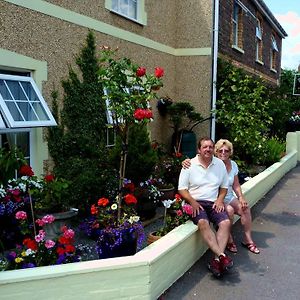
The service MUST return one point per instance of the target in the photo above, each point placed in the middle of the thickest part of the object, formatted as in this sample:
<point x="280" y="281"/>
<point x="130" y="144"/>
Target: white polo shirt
<point x="204" y="183"/>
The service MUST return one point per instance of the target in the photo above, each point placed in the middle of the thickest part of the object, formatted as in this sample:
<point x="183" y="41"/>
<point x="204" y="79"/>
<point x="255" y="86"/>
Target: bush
<point x="275" y="149"/>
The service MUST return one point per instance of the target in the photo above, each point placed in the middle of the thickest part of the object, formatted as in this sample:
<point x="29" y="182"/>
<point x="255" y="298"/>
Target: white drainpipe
<point x="214" y="66"/>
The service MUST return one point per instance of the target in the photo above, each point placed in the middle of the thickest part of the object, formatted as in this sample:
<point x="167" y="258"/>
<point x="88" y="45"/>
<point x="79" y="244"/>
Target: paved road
<point x="272" y="274"/>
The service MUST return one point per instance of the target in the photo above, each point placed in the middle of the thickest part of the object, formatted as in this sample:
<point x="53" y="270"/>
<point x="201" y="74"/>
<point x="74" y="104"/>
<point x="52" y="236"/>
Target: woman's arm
<point x="238" y="191"/>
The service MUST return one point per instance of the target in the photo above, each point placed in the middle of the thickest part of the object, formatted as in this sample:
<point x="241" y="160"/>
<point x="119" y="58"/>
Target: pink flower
<point x="179" y="213"/>
<point x="40" y="222"/>
<point x="48" y="219"/>
<point x="41" y="236"/>
<point x="187" y="209"/>
<point x="21" y="215"/>
<point x="69" y="233"/>
<point x="49" y="244"/>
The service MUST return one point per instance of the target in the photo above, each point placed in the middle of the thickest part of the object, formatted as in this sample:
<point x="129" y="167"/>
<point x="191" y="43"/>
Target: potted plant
<point x="118" y="230"/>
<point x="176" y="212"/>
<point x="148" y="196"/>
<point x="184" y="118"/>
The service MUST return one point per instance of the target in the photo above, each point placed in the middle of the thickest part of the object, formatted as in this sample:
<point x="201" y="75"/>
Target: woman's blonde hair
<point x="220" y="143"/>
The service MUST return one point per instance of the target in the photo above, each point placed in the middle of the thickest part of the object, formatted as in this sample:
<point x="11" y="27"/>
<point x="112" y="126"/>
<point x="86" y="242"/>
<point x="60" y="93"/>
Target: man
<point x="204" y="185"/>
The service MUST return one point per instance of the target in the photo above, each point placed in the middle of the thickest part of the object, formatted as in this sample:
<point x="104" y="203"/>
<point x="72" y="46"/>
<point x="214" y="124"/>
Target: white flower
<point x="247" y="178"/>
<point x="114" y="206"/>
<point x="133" y="219"/>
<point x="168" y="203"/>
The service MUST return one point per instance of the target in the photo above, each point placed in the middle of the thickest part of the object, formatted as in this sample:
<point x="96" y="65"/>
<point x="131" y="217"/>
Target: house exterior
<point x="251" y="38"/>
<point x="40" y="39"/>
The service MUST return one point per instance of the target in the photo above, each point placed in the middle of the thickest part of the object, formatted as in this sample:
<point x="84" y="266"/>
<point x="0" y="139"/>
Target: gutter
<point x="214" y="67"/>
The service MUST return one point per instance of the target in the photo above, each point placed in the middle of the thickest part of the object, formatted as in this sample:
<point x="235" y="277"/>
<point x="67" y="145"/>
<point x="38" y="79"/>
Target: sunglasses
<point x="223" y="151"/>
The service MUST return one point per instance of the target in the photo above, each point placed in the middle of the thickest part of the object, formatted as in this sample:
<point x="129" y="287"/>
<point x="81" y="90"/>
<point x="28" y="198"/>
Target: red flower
<point x="60" y="250"/>
<point x="26" y="170"/>
<point x="30" y="244"/>
<point x="141" y="71"/>
<point x="159" y="72"/>
<point x="140" y="114"/>
<point x="49" y="178"/>
<point x="130" y="199"/>
<point x="94" y="210"/>
<point x="130" y="187"/>
<point x="70" y="248"/>
<point x="103" y="201"/>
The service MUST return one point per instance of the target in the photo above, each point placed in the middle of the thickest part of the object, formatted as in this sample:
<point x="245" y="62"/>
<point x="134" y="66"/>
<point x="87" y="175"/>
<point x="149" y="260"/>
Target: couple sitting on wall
<point x="211" y="186"/>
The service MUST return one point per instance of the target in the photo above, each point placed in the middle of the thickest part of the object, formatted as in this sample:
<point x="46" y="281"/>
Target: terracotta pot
<point x="152" y="237"/>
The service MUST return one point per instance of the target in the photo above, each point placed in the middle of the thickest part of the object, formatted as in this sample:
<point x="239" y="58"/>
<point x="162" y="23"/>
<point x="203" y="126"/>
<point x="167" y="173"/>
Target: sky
<point x="287" y="12"/>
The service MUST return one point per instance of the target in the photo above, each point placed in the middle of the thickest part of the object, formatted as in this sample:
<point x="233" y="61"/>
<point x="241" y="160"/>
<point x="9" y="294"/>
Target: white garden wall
<point x="147" y="274"/>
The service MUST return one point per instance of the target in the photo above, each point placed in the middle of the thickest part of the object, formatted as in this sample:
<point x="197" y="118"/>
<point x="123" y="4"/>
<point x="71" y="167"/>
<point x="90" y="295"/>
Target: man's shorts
<point x="210" y="214"/>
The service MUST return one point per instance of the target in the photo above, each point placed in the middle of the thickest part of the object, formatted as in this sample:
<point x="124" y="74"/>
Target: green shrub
<point x="274" y="151"/>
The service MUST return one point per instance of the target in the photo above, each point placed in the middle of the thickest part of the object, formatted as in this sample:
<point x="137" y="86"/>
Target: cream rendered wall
<point x="176" y="37"/>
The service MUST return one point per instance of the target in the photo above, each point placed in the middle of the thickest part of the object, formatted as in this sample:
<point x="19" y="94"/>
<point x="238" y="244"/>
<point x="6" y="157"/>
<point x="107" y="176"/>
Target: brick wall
<point x="247" y="58"/>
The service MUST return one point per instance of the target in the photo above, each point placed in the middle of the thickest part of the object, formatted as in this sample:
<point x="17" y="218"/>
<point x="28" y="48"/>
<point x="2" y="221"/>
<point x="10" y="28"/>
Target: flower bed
<point x="147" y="274"/>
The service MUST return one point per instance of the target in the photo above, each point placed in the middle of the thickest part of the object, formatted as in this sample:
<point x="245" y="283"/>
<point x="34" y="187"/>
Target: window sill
<point x="273" y="70"/>
<point x="235" y="47"/>
<point x="140" y="22"/>
<point x="259" y="62"/>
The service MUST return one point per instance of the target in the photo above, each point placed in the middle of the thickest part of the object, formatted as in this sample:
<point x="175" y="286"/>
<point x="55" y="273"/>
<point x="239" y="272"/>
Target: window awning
<point x="22" y="104"/>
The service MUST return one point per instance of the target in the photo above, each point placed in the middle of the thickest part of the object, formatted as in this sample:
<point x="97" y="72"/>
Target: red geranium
<point x="141" y="114"/>
<point x="159" y="72"/>
<point x="26" y="170"/>
<point x="30" y="244"/>
<point x="103" y="201"/>
<point x="141" y="71"/>
<point x="130" y="199"/>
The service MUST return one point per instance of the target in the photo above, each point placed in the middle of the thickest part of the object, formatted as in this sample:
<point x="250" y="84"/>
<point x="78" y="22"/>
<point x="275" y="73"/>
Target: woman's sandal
<point x="232" y="247"/>
<point x="251" y="247"/>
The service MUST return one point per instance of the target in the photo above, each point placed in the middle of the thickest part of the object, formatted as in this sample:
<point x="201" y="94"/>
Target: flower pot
<point x="117" y="243"/>
<point x="152" y="237"/>
<point x="167" y="193"/>
<point x="53" y="230"/>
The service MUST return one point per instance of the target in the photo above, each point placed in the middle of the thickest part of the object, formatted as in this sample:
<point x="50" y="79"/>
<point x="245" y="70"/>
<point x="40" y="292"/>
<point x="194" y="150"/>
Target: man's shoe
<point x="226" y="262"/>
<point x="215" y="267"/>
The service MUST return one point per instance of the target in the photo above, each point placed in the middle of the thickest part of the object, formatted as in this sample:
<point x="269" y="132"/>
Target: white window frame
<point x="15" y="142"/>
<point x="235" y="21"/>
<point x="258" y="34"/>
<point x="273" y="53"/>
<point x="141" y="16"/>
<point x="6" y="112"/>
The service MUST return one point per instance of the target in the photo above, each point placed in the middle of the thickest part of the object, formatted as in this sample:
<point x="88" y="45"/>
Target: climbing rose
<point x="49" y="178"/>
<point x="159" y="72"/>
<point x="140" y="114"/>
<point x="141" y="71"/>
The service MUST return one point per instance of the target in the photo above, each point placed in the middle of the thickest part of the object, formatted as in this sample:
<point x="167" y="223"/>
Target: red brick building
<point x="251" y="37"/>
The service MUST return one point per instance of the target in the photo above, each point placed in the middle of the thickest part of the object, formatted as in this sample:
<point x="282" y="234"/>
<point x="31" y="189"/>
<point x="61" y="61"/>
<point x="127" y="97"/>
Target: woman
<point x="234" y="201"/>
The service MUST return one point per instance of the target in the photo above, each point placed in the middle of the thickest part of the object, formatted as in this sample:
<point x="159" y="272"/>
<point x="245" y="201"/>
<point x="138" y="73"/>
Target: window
<point x="274" y="53"/>
<point x="16" y="138"/>
<point x="21" y="103"/>
<point x="130" y="9"/>
<point x="237" y="28"/>
<point x="259" y="41"/>
<point x="127" y="8"/>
